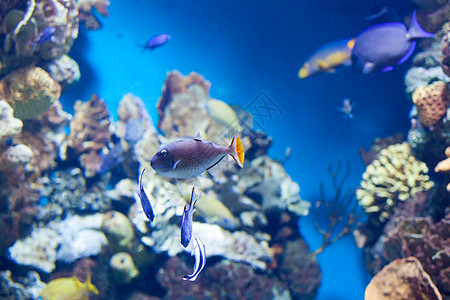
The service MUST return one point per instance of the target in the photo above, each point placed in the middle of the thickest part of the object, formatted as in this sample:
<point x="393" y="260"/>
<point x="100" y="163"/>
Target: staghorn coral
<point x="30" y="92"/>
<point x="394" y="176"/>
<point x="431" y="102"/>
<point x="402" y="279"/>
<point x="89" y="134"/>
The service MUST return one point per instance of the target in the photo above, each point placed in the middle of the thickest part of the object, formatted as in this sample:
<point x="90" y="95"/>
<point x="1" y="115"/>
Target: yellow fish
<point x="68" y="288"/>
<point x="328" y="58"/>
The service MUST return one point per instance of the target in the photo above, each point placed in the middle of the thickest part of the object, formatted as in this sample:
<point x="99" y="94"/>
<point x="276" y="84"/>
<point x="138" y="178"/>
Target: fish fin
<point x="197" y="137"/>
<point x="368" y="67"/>
<point x="238" y="150"/>
<point x="89" y="284"/>
<point x="387" y="69"/>
<point x="351" y="44"/>
<point x="175" y="164"/>
<point x="408" y="54"/>
<point x="215" y="169"/>
<point x="415" y="31"/>
<point x="322" y="64"/>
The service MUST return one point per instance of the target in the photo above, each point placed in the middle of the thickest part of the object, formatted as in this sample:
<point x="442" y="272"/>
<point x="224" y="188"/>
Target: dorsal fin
<point x="197" y="137"/>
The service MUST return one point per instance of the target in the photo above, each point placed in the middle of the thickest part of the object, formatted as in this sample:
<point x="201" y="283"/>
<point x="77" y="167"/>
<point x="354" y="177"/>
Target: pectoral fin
<point x="175" y="164"/>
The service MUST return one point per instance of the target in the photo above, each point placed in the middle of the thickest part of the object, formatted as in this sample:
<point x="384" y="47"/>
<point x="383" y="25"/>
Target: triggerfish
<point x="190" y="157"/>
<point x="66" y="288"/>
<point x="329" y="57"/>
<point x="383" y="46"/>
<point x="199" y="253"/>
<point x="156" y="41"/>
<point x="186" y="220"/>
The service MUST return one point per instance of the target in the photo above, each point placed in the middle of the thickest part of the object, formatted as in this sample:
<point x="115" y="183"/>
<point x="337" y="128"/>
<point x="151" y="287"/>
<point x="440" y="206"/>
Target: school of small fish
<point x="186" y="159"/>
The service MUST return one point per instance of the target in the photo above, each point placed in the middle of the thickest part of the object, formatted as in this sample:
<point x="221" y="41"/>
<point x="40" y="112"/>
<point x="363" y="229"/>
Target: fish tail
<point x="237" y="150"/>
<point x="415" y="31"/>
<point x="89" y="285"/>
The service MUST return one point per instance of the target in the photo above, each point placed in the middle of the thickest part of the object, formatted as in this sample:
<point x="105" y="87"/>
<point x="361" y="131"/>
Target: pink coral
<point x="431" y="102"/>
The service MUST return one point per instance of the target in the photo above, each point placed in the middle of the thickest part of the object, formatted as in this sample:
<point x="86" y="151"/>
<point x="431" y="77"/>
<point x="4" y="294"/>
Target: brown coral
<point x="431" y="102"/>
<point x="402" y="279"/>
<point x="89" y="134"/>
<point x="178" y="84"/>
<point x="30" y="92"/>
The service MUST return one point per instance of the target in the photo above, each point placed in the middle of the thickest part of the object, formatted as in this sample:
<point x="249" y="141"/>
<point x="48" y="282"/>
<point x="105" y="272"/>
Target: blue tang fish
<point x="383" y="46"/>
<point x="199" y="253"/>
<point x="156" y="41"/>
<point x="190" y="157"/>
<point x="328" y="58"/>
<point x="186" y="220"/>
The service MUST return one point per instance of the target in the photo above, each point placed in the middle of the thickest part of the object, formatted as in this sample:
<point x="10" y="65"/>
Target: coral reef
<point x="30" y="92"/>
<point x="27" y="287"/>
<point x="64" y="70"/>
<point x="89" y="135"/>
<point x="402" y="279"/>
<point x="123" y="267"/>
<point x="405" y="235"/>
<point x="431" y="102"/>
<point x="66" y="240"/>
<point x="215" y="282"/>
<point x="394" y="176"/>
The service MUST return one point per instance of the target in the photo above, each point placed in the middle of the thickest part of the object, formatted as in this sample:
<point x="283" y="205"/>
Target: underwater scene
<point x="158" y="149"/>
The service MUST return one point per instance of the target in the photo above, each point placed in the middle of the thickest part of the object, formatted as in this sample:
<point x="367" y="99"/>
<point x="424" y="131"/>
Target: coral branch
<point x="26" y="18"/>
<point x="341" y="210"/>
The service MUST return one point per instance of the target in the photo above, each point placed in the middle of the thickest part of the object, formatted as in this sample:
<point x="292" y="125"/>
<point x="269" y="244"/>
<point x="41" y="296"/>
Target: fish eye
<point x="164" y="152"/>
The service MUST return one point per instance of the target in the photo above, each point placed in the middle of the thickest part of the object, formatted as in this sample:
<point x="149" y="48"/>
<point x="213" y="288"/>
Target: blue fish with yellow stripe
<point x="328" y="58"/>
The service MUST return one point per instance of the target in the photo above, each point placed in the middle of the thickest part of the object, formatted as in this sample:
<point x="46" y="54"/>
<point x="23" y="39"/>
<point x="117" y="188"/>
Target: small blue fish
<point x="346" y="109"/>
<point x="186" y="220"/>
<point x="328" y="58"/>
<point x="43" y="37"/>
<point x="156" y="41"/>
<point x="199" y="253"/>
<point x="146" y="205"/>
<point x="381" y="47"/>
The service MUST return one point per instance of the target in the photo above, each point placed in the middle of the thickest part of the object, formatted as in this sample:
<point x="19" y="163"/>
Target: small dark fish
<point x="156" y="41"/>
<point x="381" y="47"/>
<point x="186" y="220"/>
<point x="191" y="157"/>
<point x="146" y="205"/>
<point x="383" y="14"/>
<point x="346" y="109"/>
<point x="112" y="159"/>
<point x="199" y="253"/>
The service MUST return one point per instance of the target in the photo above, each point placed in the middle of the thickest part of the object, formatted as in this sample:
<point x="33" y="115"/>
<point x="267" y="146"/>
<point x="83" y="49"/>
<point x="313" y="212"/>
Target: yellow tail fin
<point x="238" y="150"/>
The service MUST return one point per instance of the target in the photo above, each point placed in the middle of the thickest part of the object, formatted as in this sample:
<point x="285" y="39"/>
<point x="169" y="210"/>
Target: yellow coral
<point x="394" y="175"/>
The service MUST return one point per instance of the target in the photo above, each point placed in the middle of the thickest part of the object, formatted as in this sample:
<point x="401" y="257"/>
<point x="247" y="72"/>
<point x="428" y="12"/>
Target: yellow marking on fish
<point x="351" y="44"/>
<point x="337" y="58"/>
<point x="323" y="64"/>
<point x="303" y="73"/>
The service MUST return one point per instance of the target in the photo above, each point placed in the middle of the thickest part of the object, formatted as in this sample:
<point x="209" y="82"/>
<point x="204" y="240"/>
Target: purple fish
<point x="43" y="37"/>
<point x="383" y="46"/>
<point x="156" y="41"/>
<point x="191" y="157"/>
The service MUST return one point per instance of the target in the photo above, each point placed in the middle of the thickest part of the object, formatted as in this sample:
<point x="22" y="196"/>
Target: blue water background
<point x="243" y="48"/>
